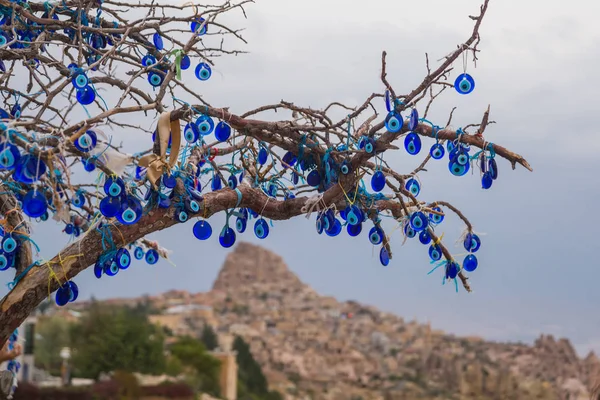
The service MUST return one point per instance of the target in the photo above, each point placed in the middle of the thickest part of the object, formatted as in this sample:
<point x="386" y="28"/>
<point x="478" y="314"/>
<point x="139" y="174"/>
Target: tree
<point x="49" y="82"/>
<point x="109" y="339"/>
<point x="52" y="336"/>
<point x="252" y="384"/>
<point x="204" y="368"/>
<point x="209" y="338"/>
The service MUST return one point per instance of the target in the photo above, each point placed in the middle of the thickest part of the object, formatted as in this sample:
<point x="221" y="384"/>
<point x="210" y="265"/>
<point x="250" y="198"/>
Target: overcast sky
<point x="538" y="69"/>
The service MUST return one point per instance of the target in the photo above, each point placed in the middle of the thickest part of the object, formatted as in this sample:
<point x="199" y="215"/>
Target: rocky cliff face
<point x="315" y="345"/>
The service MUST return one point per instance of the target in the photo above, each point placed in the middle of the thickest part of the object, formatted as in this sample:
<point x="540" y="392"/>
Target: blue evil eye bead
<point x="9" y="156"/>
<point x="452" y="269"/>
<point x="148" y="60"/>
<point x="78" y="200"/>
<point x="140" y="172"/>
<point x="138" y="253"/>
<point x="80" y="80"/>
<point x="240" y="224"/>
<point x="384" y="256"/>
<point x="192" y="206"/>
<point x="2" y="66"/>
<point x="131" y="211"/>
<point x="6" y="262"/>
<point x="457" y="169"/>
<point x="393" y="122"/>
<point x="88" y="164"/>
<point x="86" y="95"/>
<point x="15" y="111"/>
<point x="69" y="229"/>
<point x="313" y="178"/>
<point x="425" y="237"/>
<point x="354" y="230"/>
<point x="98" y="269"/>
<point x="205" y="124"/>
<point x="319" y="224"/>
<point x="413" y="121"/>
<point x="191" y="133"/>
<point x="241" y="177"/>
<point x="272" y="189"/>
<point x="151" y="256"/>
<point x="74" y="291"/>
<point x="9" y="244"/>
<point x="203" y="71"/>
<point x="409" y="231"/>
<point x="114" y="187"/>
<point x="334" y="228"/>
<point x="470" y="263"/>
<point x="123" y="258"/>
<point x="29" y="169"/>
<point x="63" y="295"/>
<point x="436" y="218"/>
<point x="202" y="230"/>
<point x="413" y="186"/>
<point x="437" y="151"/>
<point x="197" y="27"/>
<point x="418" y="221"/>
<point x="378" y="181"/>
<point x="185" y="62"/>
<point x="464" y="84"/>
<point x="450" y="146"/>
<point x="412" y="143"/>
<point x="352" y="216"/>
<point x="461" y="157"/>
<point x="345" y="168"/>
<point x="110" y="206"/>
<point x="170" y="181"/>
<point x="34" y="204"/>
<point x="262" y="156"/>
<point x="222" y="131"/>
<point x="158" y="41"/>
<point x="388" y="101"/>
<point x="435" y="252"/>
<point x="493" y="168"/>
<point x="261" y="228"/>
<point x="182" y="216"/>
<point x="375" y="235"/>
<point x="215" y="183"/>
<point x="155" y="78"/>
<point x="87" y="141"/>
<point x="486" y="180"/>
<point x="289" y="158"/>
<point x="227" y="237"/>
<point x="472" y="242"/>
<point x="295" y="178"/>
<point x="369" y="145"/>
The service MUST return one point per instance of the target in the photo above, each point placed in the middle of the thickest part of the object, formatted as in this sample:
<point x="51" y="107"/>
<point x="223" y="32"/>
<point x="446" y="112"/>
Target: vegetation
<point x="107" y="339"/>
<point x="252" y="384"/>
<point x="201" y="369"/>
<point x="209" y="338"/>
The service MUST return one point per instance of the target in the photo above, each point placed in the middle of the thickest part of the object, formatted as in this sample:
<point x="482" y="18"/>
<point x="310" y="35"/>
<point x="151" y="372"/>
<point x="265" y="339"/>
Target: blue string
<point x="12" y="284"/>
<point x="30" y="240"/>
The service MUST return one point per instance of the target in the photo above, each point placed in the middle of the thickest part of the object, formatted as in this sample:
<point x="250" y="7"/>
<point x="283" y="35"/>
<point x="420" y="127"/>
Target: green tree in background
<point x="252" y="384"/>
<point x="202" y="368"/>
<point x="109" y="339"/>
<point x="52" y="334"/>
<point x="209" y="338"/>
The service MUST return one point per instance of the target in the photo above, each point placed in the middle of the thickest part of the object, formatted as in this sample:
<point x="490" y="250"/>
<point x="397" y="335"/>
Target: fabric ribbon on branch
<point x="157" y="164"/>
